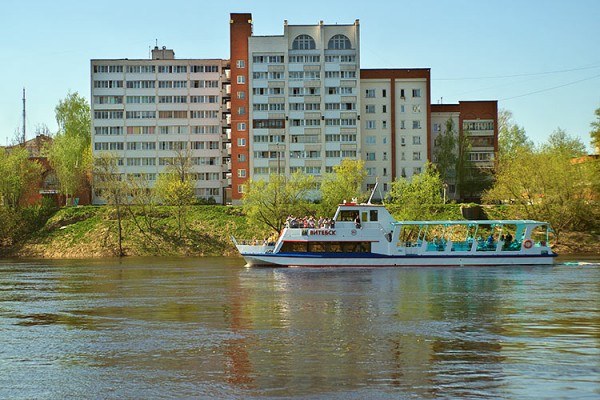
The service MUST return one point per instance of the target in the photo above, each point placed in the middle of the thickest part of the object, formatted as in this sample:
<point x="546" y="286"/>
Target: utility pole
<point x="23" y="115"/>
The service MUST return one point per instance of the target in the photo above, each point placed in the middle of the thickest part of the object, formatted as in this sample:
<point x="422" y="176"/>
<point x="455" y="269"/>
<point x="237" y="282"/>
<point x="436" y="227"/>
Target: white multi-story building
<point x="394" y="124"/>
<point x="304" y="100"/>
<point x="150" y="112"/>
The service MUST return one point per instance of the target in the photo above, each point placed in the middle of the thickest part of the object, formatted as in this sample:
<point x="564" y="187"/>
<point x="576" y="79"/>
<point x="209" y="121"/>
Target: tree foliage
<point x="445" y="152"/>
<point x="345" y="183"/>
<point x="419" y="198"/>
<point x="511" y="137"/>
<point x="546" y="184"/>
<point x="175" y="187"/>
<point x="70" y="154"/>
<point x="73" y="117"/>
<point x="17" y="173"/>
<point x="270" y="203"/>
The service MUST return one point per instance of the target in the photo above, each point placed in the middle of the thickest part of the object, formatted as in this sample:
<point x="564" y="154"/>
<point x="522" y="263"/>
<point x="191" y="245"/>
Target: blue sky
<point x="539" y="58"/>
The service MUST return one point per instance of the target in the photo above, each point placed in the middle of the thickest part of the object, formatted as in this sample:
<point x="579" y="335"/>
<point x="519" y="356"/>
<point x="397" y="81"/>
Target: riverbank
<point x="92" y="232"/>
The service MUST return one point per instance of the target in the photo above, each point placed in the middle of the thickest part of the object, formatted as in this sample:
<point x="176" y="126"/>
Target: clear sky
<point x="539" y="58"/>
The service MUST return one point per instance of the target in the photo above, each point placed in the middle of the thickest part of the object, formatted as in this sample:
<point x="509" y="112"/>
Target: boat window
<point x="373" y="215"/>
<point x="326" y="247"/>
<point x="348" y="215"/>
<point x="363" y="217"/>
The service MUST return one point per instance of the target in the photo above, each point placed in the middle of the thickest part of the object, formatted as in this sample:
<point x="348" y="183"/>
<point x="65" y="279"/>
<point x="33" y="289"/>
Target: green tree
<point x="595" y="133"/>
<point x="70" y="154"/>
<point x="417" y="199"/>
<point x="17" y="173"/>
<point x="445" y="152"/>
<point x="511" y="137"/>
<point x="560" y="141"/>
<point x="345" y="183"/>
<point x="112" y="186"/>
<point x="73" y="117"/>
<point x="270" y="203"/>
<point x="175" y="187"/>
<point x="545" y="184"/>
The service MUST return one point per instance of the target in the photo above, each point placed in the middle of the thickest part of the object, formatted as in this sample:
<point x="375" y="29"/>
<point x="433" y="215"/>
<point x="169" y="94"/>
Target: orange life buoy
<point x="527" y="244"/>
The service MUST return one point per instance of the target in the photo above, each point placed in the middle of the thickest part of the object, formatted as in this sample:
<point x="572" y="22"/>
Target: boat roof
<point x="473" y="222"/>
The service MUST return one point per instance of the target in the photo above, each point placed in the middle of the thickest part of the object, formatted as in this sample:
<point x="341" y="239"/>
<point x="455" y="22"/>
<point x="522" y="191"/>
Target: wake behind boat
<point x="367" y="235"/>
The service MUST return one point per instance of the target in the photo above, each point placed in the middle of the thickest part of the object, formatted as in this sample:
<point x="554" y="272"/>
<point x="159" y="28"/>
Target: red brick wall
<point x="240" y="30"/>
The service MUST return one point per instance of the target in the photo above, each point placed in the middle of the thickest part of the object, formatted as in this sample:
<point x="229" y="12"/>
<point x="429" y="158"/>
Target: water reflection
<point x="208" y="328"/>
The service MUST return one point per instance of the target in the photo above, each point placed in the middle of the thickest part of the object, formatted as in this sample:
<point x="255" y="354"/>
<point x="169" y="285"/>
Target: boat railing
<point x="254" y="242"/>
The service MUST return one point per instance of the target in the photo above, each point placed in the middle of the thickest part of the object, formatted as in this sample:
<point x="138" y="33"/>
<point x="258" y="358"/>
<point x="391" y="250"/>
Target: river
<point x="210" y="328"/>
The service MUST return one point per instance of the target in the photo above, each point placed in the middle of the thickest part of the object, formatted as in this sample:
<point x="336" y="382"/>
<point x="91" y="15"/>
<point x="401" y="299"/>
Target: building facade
<point x="152" y="113"/>
<point x="282" y="104"/>
<point x="303" y="102"/>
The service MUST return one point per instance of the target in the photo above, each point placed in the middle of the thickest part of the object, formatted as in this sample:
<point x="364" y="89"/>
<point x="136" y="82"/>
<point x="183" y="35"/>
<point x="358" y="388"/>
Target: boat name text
<point x="323" y="232"/>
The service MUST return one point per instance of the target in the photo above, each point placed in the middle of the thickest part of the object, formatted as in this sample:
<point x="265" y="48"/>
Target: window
<point x="370" y="156"/>
<point x="241" y="126"/>
<point x="370" y="140"/>
<point x="370" y="125"/>
<point x="241" y="110"/>
<point x="303" y="42"/>
<point x="384" y="109"/>
<point x="241" y="157"/>
<point x="402" y="96"/>
<point x="416" y="108"/>
<point x="339" y="42"/>
<point x="416" y="139"/>
<point x="383" y="93"/>
<point x="416" y="125"/>
<point x="240" y="188"/>
<point x="416" y="155"/>
<point x="241" y="79"/>
<point x="384" y="124"/>
<point x="241" y="142"/>
<point x="385" y="156"/>
<point x="240" y="64"/>
<point x="370" y="93"/>
<point x="370" y="108"/>
<point x="416" y="93"/>
<point x="241" y="173"/>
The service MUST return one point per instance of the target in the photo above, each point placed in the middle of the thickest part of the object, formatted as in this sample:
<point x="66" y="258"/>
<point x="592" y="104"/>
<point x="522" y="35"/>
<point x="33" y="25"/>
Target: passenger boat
<point x="367" y="235"/>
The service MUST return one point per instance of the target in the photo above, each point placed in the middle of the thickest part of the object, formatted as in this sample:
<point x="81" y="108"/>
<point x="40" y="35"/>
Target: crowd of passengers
<point x="309" y="222"/>
<point x="490" y="242"/>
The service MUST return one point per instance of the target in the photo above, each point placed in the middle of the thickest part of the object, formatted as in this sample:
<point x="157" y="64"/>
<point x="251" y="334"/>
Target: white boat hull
<point x="372" y="260"/>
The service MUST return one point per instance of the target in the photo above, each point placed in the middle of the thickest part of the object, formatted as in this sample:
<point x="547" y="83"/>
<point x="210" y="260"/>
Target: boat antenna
<point x="373" y="191"/>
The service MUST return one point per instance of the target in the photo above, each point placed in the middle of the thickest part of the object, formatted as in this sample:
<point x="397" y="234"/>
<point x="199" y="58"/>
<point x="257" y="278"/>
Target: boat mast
<point x="373" y="191"/>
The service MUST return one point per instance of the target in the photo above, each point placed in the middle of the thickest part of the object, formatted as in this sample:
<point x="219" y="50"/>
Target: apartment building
<point x="152" y="112"/>
<point x="303" y="108"/>
<point x="395" y="124"/>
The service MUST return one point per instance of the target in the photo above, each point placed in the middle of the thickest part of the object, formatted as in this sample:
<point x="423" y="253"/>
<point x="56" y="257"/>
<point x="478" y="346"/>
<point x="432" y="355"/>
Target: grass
<point x="91" y="231"/>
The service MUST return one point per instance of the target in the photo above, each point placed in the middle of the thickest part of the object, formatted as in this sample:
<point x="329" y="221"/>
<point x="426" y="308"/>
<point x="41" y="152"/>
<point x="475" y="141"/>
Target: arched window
<point x="339" y="42"/>
<point x="304" y="42"/>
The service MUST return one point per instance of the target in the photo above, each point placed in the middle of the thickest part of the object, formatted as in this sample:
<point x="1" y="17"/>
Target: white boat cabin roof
<point x="385" y="216"/>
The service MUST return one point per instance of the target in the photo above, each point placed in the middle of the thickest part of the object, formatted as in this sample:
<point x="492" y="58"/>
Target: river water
<point x="211" y="328"/>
